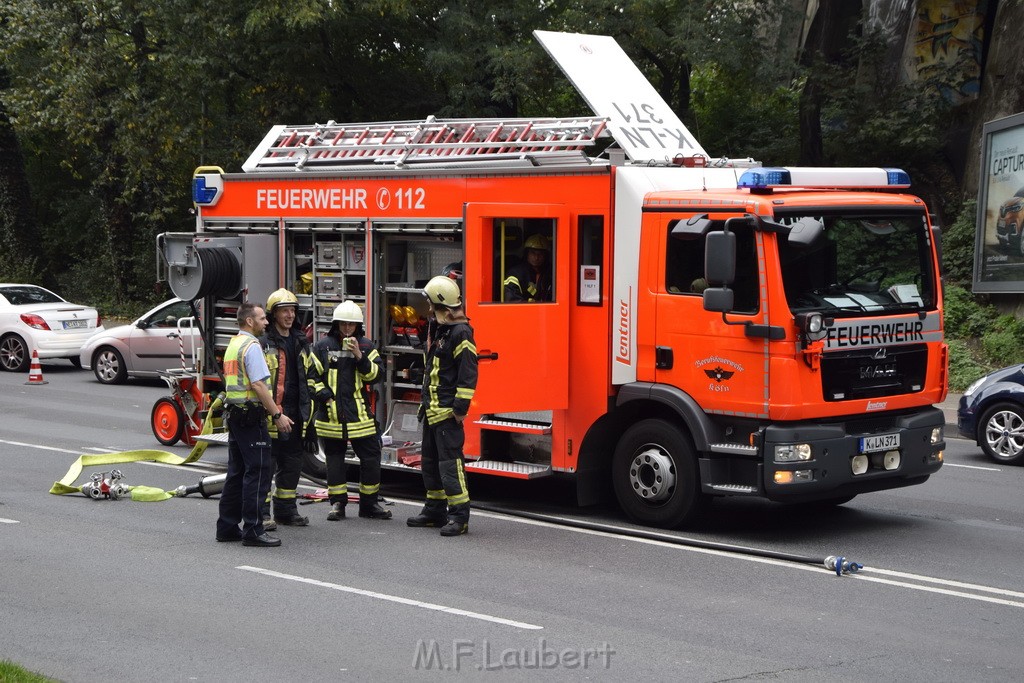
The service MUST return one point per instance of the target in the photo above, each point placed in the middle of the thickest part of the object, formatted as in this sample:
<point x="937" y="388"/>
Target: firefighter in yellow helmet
<point x="346" y="362"/>
<point x="289" y="357"/>
<point x="449" y="381"/>
<point x="530" y="280"/>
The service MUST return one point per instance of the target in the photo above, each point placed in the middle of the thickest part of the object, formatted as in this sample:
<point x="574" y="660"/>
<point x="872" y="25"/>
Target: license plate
<point x="879" y="442"/>
<point x="75" y="324"/>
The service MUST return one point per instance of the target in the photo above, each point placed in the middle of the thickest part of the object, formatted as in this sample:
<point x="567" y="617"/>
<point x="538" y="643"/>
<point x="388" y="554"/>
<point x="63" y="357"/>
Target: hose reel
<point x="207" y="271"/>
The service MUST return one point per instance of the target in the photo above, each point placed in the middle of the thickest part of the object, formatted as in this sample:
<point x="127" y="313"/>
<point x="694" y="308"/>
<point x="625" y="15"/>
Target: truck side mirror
<point x="718" y="299"/>
<point x="805" y="232"/>
<point x="720" y="258"/>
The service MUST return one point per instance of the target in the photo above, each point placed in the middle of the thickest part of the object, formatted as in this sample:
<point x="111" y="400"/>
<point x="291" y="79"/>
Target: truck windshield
<point x="860" y="264"/>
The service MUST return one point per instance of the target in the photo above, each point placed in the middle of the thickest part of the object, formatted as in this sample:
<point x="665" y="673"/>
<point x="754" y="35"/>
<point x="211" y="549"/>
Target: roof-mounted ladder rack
<point x="330" y="146"/>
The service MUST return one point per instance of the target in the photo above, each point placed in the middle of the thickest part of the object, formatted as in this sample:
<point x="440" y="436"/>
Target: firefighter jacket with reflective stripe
<point x="238" y="389"/>
<point x="523" y="283"/>
<point x="449" y="380"/>
<point x="289" y="392"/>
<point x="335" y="374"/>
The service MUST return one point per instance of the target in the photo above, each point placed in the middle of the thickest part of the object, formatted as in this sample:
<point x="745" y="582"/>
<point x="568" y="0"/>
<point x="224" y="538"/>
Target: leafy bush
<point x="965" y="318"/>
<point x="958" y="245"/>
<point x="963" y="367"/>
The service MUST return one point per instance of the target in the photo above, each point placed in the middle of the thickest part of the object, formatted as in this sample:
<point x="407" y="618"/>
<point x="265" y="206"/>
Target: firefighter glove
<point x="310" y="443"/>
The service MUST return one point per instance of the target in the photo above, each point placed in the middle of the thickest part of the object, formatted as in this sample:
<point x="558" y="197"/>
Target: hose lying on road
<point x="841" y="565"/>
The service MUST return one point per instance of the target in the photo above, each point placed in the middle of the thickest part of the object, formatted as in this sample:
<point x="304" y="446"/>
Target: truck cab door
<point x="522" y="345"/>
<point x="716" y="363"/>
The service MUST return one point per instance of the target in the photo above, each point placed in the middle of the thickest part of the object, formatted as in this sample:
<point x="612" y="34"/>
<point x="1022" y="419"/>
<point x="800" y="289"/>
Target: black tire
<point x="167" y="420"/>
<point x="314" y="466"/>
<point x="14" y="354"/>
<point x="108" y="366"/>
<point x="655" y="475"/>
<point x="1001" y="433"/>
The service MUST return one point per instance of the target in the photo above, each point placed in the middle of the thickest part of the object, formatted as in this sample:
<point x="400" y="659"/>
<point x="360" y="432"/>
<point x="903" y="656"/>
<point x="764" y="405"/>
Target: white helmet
<point x="348" y="312"/>
<point x="443" y="291"/>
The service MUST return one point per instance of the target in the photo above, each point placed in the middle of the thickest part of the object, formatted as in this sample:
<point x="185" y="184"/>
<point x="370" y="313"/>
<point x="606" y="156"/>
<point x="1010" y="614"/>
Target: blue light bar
<point x="825" y="178"/>
<point x="201" y="194"/>
<point x="761" y="178"/>
<point x="898" y="177"/>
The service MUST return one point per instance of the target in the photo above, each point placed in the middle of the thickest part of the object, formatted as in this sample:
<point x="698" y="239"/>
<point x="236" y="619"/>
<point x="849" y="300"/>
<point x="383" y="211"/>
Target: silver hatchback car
<point x="147" y="347"/>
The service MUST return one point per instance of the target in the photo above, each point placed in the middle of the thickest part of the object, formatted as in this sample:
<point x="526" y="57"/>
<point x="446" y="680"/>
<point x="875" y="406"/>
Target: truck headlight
<point x="794" y="452"/>
<point x="936" y="435"/>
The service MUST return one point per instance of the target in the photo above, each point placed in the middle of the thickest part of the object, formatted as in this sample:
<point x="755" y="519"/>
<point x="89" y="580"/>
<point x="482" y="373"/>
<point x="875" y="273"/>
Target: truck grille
<point x="868" y="373"/>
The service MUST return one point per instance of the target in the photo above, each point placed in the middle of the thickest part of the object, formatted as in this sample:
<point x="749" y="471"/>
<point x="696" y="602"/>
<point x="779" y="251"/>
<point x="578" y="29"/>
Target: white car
<point x="36" y="319"/>
<point x="145" y="348"/>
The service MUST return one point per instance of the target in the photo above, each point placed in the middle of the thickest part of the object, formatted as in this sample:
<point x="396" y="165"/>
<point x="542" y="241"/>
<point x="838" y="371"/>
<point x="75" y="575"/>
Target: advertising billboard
<point x="999" y="245"/>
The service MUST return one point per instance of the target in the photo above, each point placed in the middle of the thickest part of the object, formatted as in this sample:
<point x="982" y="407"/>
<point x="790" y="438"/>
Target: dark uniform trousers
<point x="250" y="471"/>
<point x="367" y="449"/>
<point x="443" y="469"/>
<point x="287" y="456"/>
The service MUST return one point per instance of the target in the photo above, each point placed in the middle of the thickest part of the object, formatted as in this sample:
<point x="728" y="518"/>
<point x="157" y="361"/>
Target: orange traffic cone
<point x="35" y="373"/>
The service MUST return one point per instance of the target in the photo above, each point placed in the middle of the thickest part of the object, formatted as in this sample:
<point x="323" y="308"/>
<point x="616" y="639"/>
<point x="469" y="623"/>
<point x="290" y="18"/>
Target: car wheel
<point x="1001" y="433"/>
<point x="167" y="420"/>
<point x="654" y="474"/>
<point x="108" y="366"/>
<point x="14" y="356"/>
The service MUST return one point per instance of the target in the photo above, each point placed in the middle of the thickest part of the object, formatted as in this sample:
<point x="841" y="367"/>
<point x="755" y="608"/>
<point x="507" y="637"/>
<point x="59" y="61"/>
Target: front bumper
<point x="830" y="471"/>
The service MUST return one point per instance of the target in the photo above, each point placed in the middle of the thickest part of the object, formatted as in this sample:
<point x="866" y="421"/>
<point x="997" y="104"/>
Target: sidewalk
<point x="949" y="407"/>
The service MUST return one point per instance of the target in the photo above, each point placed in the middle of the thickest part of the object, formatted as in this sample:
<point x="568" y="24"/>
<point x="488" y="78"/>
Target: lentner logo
<point x="624" y="323"/>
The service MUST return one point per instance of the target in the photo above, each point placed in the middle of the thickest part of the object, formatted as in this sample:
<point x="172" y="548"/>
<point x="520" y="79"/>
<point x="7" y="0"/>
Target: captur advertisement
<point x="999" y="251"/>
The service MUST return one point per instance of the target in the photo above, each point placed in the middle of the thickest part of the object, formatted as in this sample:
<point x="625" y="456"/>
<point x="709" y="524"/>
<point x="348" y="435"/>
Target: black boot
<point x="458" y="521"/>
<point x="337" y="512"/>
<point x="433" y="514"/>
<point x="370" y="508"/>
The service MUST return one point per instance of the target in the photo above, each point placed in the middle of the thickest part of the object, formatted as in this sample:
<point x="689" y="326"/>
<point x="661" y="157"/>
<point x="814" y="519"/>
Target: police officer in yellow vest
<point x="288" y="356"/>
<point x="248" y="402"/>
<point x="345" y="362"/>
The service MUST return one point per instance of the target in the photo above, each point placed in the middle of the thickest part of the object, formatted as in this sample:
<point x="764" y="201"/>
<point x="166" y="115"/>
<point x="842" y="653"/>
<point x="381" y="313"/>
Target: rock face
<point x="1002" y="82"/>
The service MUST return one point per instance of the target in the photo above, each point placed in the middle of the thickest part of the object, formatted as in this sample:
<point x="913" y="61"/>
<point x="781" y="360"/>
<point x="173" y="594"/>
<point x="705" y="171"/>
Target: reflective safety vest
<point x="238" y="389"/>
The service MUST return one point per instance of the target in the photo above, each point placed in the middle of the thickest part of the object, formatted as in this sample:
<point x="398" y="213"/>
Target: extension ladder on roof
<point x="436" y="141"/>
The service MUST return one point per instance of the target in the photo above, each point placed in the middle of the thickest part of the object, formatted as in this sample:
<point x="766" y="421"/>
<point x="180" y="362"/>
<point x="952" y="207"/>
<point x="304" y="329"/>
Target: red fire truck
<point x="715" y="328"/>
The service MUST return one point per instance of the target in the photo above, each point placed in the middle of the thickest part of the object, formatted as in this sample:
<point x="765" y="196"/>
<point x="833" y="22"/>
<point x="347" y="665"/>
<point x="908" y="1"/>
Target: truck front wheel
<point x="654" y="473"/>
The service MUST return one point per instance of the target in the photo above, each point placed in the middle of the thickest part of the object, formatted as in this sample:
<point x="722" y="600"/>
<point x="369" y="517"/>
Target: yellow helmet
<point x="537" y="242"/>
<point x="348" y="312"/>
<point x="281" y="297"/>
<point x="442" y="291"/>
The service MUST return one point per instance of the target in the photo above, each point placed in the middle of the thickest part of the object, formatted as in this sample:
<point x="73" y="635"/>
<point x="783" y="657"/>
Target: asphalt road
<point x="101" y="590"/>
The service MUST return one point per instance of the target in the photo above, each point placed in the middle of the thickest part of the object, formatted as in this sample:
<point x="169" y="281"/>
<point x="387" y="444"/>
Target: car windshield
<point x="19" y="295"/>
<point x="861" y="264"/>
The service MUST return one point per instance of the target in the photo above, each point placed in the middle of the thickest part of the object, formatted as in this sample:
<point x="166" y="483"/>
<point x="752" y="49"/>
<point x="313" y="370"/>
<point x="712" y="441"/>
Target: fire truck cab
<point x="714" y="328"/>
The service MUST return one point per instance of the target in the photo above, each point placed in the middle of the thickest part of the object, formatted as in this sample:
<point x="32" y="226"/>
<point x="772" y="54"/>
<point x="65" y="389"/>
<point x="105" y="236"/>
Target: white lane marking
<point x="44" y="448"/>
<point x="865" y="575"/>
<point x="8" y="521"/>
<point x="973" y="467"/>
<point x="391" y="598"/>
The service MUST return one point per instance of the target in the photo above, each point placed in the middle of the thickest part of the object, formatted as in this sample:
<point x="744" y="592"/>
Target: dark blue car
<point x="991" y="413"/>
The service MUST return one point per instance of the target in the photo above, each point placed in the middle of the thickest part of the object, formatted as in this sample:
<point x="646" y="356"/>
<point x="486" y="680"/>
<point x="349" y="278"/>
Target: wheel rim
<point x="107" y="366"/>
<point x="1004" y="434"/>
<point x="652" y="475"/>
<point x="165" y="421"/>
<point x="12" y="353"/>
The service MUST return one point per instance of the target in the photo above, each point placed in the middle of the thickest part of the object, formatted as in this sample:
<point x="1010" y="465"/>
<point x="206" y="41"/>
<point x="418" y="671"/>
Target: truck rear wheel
<point x="655" y="476"/>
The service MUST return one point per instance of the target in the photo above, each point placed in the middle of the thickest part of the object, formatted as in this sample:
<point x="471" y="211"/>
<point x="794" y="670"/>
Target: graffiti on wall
<point x="947" y="48"/>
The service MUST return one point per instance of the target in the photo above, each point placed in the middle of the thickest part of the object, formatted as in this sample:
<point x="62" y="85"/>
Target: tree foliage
<point x="114" y="102"/>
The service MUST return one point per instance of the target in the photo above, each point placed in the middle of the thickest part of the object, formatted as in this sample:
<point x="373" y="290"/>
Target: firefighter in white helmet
<point x="289" y="356"/>
<point x="346" y="362"/>
<point x="530" y="280"/>
<point x="449" y="381"/>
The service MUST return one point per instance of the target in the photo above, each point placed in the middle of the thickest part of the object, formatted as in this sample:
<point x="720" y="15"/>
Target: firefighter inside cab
<point x="530" y="280"/>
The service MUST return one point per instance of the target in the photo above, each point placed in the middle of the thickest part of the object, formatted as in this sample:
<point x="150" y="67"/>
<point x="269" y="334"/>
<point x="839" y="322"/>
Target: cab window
<point x="523" y="258"/>
<point x="684" y="268"/>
